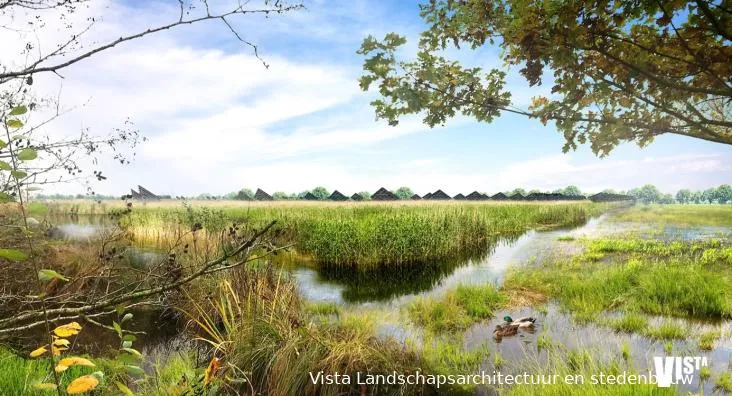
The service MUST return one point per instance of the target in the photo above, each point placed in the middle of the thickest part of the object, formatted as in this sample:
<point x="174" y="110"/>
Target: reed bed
<point x="356" y="235"/>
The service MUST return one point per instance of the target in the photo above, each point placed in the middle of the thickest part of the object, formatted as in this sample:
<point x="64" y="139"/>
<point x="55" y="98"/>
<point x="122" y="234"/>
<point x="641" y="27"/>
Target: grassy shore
<point x="679" y="215"/>
<point x="357" y="235"/>
<point x="636" y="276"/>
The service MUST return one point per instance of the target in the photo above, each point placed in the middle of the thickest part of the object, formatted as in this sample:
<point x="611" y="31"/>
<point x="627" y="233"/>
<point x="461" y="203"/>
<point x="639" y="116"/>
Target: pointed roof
<point x="357" y="197"/>
<point x="383" y="194"/>
<point x="310" y="197"/>
<point x="459" y="197"/>
<point x="476" y="196"/>
<point x="337" y="196"/>
<point x="516" y="197"/>
<point x="427" y="196"/>
<point x="416" y="197"/>
<point x="135" y="194"/>
<point x="499" y="196"/>
<point x="145" y="193"/>
<point x="439" y="195"/>
<point x="260" y="195"/>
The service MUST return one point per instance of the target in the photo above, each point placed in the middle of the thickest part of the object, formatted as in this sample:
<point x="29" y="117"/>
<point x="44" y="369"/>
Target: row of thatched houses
<point x="383" y="194"/>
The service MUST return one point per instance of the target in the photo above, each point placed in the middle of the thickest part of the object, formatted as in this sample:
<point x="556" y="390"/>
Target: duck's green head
<point x="507" y="318"/>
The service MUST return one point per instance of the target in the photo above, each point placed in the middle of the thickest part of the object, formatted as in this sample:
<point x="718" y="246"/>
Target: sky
<point x="217" y="120"/>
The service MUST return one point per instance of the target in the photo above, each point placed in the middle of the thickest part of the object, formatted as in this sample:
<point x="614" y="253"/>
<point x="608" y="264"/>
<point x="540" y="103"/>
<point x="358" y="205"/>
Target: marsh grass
<point x="684" y="279"/>
<point x="363" y="236"/>
<point x="667" y="331"/>
<point x="681" y="215"/>
<point x="724" y="382"/>
<point x="457" y="309"/>
<point x="708" y="338"/>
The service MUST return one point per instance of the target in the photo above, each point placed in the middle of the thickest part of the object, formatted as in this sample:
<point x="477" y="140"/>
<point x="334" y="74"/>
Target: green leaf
<point x="129" y="337"/>
<point x="133" y="352"/>
<point x="13" y="254"/>
<point x="5" y="166"/>
<point x="127" y="317"/>
<point x="117" y="328"/>
<point x="14" y="123"/>
<point x="18" y="174"/>
<point x="18" y="110"/>
<point x="126" y="344"/>
<point x="46" y="275"/>
<point x="134" y="370"/>
<point x="124" y="389"/>
<point x="27" y="154"/>
<point x="2" y="143"/>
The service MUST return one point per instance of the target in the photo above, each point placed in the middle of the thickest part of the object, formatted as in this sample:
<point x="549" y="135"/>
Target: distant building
<point x="476" y="196"/>
<point x="357" y="197"/>
<point x="310" y="197"/>
<point x="517" y="197"/>
<point x="439" y="195"/>
<point x="260" y="195"/>
<point x="459" y="197"/>
<point x="499" y="197"/>
<point x="427" y="196"/>
<point x="383" y="194"/>
<point x="337" y="196"/>
<point x="416" y="197"/>
<point x="144" y="194"/>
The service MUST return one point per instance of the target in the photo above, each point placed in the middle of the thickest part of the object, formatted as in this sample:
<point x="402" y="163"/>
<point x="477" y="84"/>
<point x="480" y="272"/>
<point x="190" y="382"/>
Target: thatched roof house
<point x="337" y="196"/>
<point x="427" y="196"/>
<point x="357" y="197"/>
<point x="459" y="197"/>
<point x="476" y="196"/>
<point x="517" y="197"/>
<point x="416" y="197"/>
<point x="499" y="197"/>
<point x="310" y="197"/>
<point x="383" y="194"/>
<point x="260" y="195"/>
<point x="439" y="195"/>
<point x="143" y="194"/>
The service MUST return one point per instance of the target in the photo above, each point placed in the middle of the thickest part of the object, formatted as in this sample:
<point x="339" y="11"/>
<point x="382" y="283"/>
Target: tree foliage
<point x="403" y="192"/>
<point x="320" y="192"/>
<point x="622" y="71"/>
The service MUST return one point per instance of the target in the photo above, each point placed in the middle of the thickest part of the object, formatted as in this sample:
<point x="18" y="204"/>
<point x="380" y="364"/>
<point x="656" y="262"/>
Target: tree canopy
<point x="622" y="71"/>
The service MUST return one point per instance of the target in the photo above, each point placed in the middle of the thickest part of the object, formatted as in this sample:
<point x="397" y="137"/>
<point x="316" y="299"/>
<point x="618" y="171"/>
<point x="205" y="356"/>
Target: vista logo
<point x="677" y="370"/>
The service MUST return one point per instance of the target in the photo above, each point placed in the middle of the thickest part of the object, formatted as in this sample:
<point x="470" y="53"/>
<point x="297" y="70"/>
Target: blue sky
<point x="218" y="121"/>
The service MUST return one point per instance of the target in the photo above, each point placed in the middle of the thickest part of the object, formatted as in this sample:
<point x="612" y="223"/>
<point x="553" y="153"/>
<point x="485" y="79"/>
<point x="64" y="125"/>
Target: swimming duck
<point x="524" y="322"/>
<point x="505" y="330"/>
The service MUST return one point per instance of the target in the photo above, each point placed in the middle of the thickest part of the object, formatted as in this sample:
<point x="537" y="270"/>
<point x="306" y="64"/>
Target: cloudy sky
<point x="217" y="120"/>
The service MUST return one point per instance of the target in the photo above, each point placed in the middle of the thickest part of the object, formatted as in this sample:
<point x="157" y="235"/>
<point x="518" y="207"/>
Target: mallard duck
<point x="506" y="330"/>
<point x="524" y="322"/>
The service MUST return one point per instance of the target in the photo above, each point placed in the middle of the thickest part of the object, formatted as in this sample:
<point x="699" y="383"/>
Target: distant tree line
<point x="645" y="194"/>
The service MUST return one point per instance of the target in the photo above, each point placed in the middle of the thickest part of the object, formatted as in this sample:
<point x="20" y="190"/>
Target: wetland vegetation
<point x="343" y="304"/>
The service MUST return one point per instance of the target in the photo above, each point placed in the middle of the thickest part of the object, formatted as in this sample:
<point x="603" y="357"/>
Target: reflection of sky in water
<point x="78" y="231"/>
<point x="535" y="246"/>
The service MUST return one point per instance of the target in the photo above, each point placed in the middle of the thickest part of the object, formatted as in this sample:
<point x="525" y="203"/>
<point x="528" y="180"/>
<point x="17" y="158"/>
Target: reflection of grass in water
<point x="457" y="309"/>
<point x="699" y="215"/>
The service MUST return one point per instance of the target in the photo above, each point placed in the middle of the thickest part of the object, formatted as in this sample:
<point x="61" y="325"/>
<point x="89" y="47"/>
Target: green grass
<point x="667" y="331"/>
<point x="366" y="236"/>
<point x="630" y="323"/>
<point x="322" y="308"/>
<point x="681" y="215"/>
<point x="457" y="309"/>
<point x="684" y="279"/>
<point x="724" y="382"/>
<point x="566" y="238"/>
<point x="584" y="363"/>
<point x="708" y="338"/>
